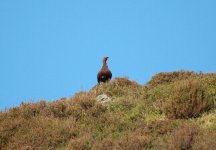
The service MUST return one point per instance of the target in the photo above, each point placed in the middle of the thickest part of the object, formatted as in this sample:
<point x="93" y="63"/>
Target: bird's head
<point x="105" y="59"/>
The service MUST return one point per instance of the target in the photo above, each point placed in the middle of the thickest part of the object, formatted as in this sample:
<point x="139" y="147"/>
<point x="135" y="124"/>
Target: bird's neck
<point x="104" y="63"/>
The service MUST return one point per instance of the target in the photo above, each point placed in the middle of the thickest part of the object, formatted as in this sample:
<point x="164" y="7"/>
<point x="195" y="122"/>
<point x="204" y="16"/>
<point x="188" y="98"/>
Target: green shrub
<point x="124" y="82"/>
<point x="56" y="109"/>
<point x="187" y="99"/>
<point x="149" y="136"/>
<point x="118" y="87"/>
<point x="168" y="77"/>
<point x="83" y="104"/>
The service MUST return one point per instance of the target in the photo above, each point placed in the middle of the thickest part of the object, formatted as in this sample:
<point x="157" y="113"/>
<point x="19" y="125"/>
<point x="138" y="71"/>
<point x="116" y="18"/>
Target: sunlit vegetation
<point x="175" y="110"/>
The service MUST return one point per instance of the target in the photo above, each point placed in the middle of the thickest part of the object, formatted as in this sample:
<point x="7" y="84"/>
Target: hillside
<point x="175" y="110"/>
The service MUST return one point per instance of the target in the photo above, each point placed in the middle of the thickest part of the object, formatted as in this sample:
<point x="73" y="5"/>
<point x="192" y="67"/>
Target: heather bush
<point x="29" y="110"/>
<point x="81" y="143"/>
<point x="113" y="124"/>
<point x="56" y="109"/>
<point x="209" y="80"/>
<point x="187" y="99"/>
<point x="205" y="140"/>
<point x="106" y="144"/>
<point x="43" y="133"/>
<point x="84" y="104"/>
<point x="168" y="77"/>
<point x="134" y="141"/>
<point x="8" y="129"/>
<point x="149" y="136"/>
<point x="84" y="101"/>
<point x="124" y="82"/>
<point x="160" y="127"/>
<point x="183" y="137"/>
<point x="118" y="87"/>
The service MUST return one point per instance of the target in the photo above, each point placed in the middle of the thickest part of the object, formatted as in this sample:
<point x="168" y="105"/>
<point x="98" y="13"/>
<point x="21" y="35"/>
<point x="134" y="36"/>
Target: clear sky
<point x="54" y="48"/>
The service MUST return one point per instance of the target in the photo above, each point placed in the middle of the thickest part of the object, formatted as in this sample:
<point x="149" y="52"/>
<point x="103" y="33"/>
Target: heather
<point x="174" y="110"/>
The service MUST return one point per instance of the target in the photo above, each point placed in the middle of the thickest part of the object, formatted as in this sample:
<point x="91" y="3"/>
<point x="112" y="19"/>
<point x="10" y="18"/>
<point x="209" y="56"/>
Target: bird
<point x="104" y="75"/>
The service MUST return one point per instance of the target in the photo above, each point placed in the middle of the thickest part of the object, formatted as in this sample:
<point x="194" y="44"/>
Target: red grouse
<point x="104" y="74"/>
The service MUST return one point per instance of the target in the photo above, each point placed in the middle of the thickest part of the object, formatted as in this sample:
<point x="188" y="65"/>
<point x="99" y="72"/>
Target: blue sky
<point x="53" y="48"/>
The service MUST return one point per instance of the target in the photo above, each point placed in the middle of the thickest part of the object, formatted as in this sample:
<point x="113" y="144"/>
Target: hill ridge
<point x="174" y="110"/>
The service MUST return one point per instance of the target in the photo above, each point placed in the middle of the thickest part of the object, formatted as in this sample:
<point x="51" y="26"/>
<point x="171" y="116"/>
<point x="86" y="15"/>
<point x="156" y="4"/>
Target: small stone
<point x="103" y="98"/>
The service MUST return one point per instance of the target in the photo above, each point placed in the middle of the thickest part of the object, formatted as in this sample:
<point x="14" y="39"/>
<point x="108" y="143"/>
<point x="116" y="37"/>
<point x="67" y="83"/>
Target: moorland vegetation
<point x="174" y="110"/>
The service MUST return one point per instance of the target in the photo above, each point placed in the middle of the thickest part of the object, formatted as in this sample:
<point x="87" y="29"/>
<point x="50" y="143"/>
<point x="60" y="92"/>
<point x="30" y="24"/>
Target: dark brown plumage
<point x="104" y="74"/>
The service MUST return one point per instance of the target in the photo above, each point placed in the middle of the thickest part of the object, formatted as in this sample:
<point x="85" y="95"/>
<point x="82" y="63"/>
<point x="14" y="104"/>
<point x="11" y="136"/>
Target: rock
<point x="27" y="147"/>
<point x="103" y="98"/>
